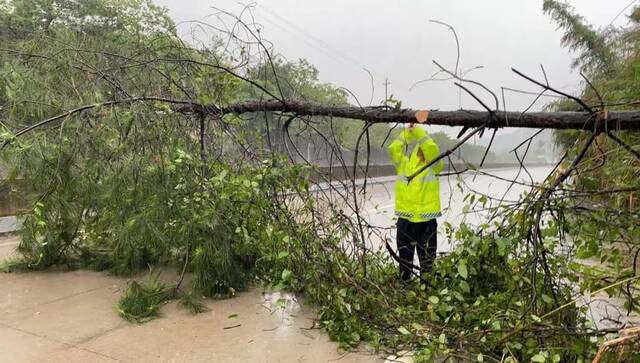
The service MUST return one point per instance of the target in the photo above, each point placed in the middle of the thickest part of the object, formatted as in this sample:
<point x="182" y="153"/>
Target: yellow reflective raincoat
<point x="418" y="200"/>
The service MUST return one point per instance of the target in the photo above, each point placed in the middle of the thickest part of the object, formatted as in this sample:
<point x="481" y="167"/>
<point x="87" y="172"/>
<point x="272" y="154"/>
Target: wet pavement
<point x="70" y="317"/>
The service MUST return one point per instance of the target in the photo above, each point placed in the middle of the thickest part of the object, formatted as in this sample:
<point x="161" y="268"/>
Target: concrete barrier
<point x="11" y="198"/>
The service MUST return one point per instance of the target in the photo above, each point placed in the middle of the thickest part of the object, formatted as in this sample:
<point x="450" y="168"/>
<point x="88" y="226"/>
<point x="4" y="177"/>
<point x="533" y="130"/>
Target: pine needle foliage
<point x="595" y="51"/>
<point x="141" y="301"/>
<point x="193" y="303"/>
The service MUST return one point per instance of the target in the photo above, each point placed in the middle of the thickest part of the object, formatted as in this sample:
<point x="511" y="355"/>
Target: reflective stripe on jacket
<point x="418" y="200"/>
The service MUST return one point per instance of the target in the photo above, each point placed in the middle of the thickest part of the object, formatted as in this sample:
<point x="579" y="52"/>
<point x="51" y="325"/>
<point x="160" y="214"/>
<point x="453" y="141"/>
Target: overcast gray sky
<point x="394" y="39"/>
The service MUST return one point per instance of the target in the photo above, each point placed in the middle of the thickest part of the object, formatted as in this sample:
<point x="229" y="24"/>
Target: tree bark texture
<point x="612" y="120"/>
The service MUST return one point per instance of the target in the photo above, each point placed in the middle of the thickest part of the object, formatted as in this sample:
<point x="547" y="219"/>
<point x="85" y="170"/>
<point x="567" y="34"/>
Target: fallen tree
<point x="598" y="122"/>
<point x="620" y="120"/>
<point x="143" y="150"/>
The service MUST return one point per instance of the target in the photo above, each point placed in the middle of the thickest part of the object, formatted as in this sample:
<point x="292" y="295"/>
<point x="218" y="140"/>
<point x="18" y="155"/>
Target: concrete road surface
<point x="70" y="317"/>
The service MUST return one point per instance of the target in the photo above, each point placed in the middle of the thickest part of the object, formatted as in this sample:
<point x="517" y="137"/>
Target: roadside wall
<point x="10" y="200"/>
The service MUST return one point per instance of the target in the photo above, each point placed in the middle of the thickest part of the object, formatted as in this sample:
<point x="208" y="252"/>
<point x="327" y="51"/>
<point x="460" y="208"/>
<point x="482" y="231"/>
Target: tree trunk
<point x="620" y="120"/>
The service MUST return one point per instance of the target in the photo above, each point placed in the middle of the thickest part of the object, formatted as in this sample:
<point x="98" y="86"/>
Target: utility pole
<point x="386" y="91"/>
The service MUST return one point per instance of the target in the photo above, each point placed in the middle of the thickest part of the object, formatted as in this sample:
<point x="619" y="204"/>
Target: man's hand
<point x="422" y="116"/>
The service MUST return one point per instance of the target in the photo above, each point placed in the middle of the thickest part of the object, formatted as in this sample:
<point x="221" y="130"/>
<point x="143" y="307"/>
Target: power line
<point x="314" y="41"/>
<point x="289" y="32"/>
<point x="322" y="50"/>
<point x="621" y="12"/>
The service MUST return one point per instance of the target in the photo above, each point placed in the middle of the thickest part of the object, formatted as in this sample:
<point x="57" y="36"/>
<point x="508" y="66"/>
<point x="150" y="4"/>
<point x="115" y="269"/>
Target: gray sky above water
<point x="394" y="39"/>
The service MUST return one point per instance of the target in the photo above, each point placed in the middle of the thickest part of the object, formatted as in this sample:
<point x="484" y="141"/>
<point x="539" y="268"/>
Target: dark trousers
<point x="420" y="236"/>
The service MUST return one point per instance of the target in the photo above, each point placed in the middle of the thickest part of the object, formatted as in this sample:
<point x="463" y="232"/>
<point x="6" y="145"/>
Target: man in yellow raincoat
<point x="417" y="201"/>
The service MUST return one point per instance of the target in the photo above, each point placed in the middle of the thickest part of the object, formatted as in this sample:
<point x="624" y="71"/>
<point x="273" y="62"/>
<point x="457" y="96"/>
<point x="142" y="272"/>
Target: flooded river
<point x="494" y="183"/>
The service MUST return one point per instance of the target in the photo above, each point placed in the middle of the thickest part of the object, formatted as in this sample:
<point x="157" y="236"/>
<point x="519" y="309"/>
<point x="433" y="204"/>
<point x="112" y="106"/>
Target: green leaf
<point x="538" y="358"/>
<point x="434" y="299"/>
<point x="480" y="357"/>
<point x="404" y="331"/>
<point x="462" y="270"/>
<point x="502" y="246"/>
<point x="287" y="275"/>
<point x="464" y="286"/>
